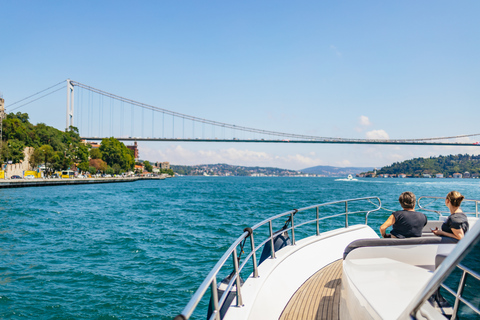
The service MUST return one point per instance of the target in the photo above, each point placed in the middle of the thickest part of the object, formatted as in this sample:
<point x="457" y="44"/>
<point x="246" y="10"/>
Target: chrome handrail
<point x="464" y="246"/>
<point x="439" y="212"/>
<point x="458" y="294"/>
<point x="211" y="281"/>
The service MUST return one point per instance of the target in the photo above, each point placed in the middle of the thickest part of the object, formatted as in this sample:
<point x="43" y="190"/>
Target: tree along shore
<point x="57" y="150"/>
<point x="445" y="165"/>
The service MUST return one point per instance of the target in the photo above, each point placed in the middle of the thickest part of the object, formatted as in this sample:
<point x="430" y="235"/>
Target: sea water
<point x="139" y="250"/>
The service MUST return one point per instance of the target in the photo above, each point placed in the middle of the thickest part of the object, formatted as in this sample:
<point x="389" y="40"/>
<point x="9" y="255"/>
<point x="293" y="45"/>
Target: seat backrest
<point x="362" y="243"/>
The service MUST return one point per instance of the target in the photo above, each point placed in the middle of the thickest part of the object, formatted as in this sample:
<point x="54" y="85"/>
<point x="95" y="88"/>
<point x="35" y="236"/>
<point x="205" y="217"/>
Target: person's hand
<point x="435" y="231"/>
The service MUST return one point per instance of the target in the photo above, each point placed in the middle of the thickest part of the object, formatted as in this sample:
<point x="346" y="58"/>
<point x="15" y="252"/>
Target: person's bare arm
<point x="390" y="221"/>
<point x="457" y="233"/>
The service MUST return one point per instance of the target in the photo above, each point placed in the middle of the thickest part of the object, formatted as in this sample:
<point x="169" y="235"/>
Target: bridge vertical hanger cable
<point x="259" y="133"/>
<point x="89" y="120"/>
<point x="153" y="124"/>
<point x="143" y="124"/>
<point x="121" y="118"/>
<point x="133" y="114"/>
<point x="163" y="125"/>
<point x="111" y="118"/>
<point x="100" y="115"/>
<point x="79" y="111"/>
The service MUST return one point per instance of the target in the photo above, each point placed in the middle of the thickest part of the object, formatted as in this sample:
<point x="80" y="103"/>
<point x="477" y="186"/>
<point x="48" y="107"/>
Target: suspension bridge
<point x="99" y="114"/>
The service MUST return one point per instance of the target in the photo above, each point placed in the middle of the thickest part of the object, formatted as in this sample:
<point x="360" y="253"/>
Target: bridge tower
<point x="69" y="104"/>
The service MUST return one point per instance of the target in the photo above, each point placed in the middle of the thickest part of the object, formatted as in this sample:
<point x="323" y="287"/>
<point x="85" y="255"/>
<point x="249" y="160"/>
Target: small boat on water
<point x="345" y="272"/>
<point x="349" y="178"/>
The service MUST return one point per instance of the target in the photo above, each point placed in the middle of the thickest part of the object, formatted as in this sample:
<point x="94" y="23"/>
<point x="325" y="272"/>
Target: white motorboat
<point x="346" y="272"/>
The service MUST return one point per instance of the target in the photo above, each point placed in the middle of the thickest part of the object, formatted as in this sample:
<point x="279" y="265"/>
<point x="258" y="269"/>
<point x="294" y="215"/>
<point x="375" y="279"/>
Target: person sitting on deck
<point x="456" y="224"/>
<point x="407" y="223"/>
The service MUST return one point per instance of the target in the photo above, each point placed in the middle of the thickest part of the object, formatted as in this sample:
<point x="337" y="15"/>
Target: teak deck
<point x="318" y="297"/>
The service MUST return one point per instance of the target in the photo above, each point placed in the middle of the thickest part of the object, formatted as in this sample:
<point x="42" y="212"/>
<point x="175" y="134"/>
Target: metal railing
<point x="441" y="200"/>
<point x="464" y="246"/>
<point x="211" y="280"/>
<point x="458" y="294"/>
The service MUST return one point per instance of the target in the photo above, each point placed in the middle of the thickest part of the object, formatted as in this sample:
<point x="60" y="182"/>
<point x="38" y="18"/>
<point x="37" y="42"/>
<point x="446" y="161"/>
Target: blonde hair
<point x="455" y="198"/>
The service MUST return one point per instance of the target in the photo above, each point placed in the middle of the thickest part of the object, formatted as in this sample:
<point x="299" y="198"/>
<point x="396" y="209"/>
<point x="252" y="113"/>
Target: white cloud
<point x="243" y="157"/>
<point x="292" y="156"/>
<point x="377" y="134"/>
<point x="344" y="163"/>
<point x="364" y="121"/>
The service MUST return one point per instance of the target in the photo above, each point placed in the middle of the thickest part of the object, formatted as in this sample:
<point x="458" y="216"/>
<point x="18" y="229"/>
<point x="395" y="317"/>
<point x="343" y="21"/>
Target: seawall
<point x="22" y="183"/>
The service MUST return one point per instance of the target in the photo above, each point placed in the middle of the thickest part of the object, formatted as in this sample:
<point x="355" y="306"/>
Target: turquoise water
<point x="140" y="250"/>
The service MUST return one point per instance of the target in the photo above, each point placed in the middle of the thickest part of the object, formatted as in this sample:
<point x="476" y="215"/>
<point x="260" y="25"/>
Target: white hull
<point x="265" y="297"/>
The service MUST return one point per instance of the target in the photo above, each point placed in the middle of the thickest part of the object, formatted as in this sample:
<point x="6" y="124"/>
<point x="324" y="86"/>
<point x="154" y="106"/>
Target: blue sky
<point x="351" y="69"/>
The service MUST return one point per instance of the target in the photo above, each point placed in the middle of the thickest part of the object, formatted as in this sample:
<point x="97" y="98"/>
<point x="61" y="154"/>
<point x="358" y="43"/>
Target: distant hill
<point x="223" y="169"/>
<point x="330" y="171"/>
<point x="446" y="165"/>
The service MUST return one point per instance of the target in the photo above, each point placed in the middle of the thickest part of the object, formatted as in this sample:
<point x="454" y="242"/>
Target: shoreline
<point x="24" y="183"/>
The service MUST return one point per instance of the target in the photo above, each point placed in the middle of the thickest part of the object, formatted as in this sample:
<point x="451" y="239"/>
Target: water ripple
<point x="139" y="250"/>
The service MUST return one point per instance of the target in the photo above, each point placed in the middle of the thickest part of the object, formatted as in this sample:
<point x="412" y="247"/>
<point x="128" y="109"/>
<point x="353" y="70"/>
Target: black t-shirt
<point x="457" y="220"/>
<point x="408" y="224"/>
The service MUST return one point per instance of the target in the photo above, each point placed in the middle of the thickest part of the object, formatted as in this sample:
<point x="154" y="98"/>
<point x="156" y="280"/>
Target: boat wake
<point x="349" y="178"/>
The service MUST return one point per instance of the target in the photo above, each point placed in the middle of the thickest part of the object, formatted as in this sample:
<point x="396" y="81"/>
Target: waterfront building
<point x="134" y="148"/>
<point x="2" y="116"/>
<point x="466" y="174"/>
<point x="457" y="175"/>
<point x="164" y="165"/>
<point x="426" y="175"/>
<point x="402" y="175"/>
<point x="92" y="144"/>
<point x="439" y="175"/>
<point x="2" y="108"/>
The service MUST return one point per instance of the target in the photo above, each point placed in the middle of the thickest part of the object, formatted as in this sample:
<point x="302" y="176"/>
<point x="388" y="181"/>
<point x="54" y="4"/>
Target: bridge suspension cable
<point x="224" y="126"/>
<point x="90" y="120"/>
<point x="192" y="118"/>
<point x="35" y="94"/>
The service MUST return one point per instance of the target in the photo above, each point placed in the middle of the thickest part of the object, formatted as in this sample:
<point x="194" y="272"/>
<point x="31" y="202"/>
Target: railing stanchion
<point x="293" y="228"/>
<point x="346" y="214"/>
<point x="237" y="276"/>
<point x="211" y="280"/>
<point x="271" y="240"/>
<point x="255" y="267"/>
<point x="461" y="286"/>
<point x="215" y="299"/>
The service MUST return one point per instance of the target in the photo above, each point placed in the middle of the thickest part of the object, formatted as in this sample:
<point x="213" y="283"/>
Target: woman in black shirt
<point x="406" y="223"/>
<point x="456" y="224"/>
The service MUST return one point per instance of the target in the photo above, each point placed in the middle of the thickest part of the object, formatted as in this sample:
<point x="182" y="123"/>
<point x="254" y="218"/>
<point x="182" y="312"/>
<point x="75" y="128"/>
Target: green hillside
<point x="447" y="165"/>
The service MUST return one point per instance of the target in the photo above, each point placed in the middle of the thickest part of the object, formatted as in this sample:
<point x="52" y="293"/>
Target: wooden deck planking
<point x="318" y="297"/>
